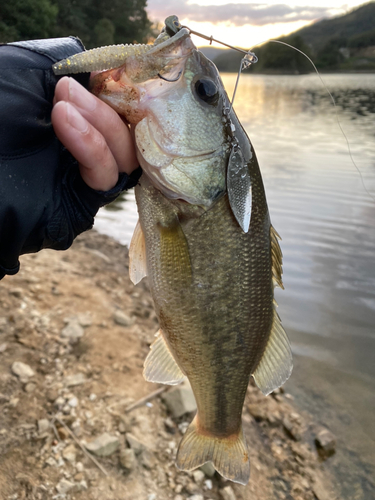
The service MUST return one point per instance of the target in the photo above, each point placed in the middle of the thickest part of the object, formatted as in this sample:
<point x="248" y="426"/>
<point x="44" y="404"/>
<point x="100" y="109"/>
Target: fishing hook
<point x="166" y="79"/>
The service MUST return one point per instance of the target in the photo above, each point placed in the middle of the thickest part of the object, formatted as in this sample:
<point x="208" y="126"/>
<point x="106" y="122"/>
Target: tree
<point x="101" y="23"/>
<point x="25" y="19"/>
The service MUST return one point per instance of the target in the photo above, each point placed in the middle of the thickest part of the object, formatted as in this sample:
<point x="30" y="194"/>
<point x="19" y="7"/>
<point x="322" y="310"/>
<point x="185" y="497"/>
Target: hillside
<point x="353" y="24"/>
<point x="344" y="43"/>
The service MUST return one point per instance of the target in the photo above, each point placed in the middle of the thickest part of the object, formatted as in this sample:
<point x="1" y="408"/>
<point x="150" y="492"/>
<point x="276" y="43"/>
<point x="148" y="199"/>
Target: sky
<point x="244" y="23"/>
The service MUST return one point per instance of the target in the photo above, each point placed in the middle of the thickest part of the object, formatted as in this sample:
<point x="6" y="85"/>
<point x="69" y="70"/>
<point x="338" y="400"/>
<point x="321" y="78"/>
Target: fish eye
<point x="207" y="90"/>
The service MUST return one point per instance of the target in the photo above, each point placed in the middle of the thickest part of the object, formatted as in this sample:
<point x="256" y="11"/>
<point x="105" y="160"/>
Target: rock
<point x="104" y="445"/>
<point x="3" y="398"/>
<point x="3" y="347"/>
<point x="73" y="402"/>
<point x="80" y="467"/>
<point x="196" y="497"/>
<point x="73" y="380"/>
<point x="170" y="425"/>
<point x="85" y="319"/>
<point x="23" y="371"/>
<point x="198" y="476"/>
<point x="180" y="400"/>
<point x="63" y="433"/>
<point x="135" y="444"/>
<point x="64" y="486"/>
<point x="325" y="443"/>
<point x="257" y="411"/>
<point x="72" y="331"/>
<point x="227" y="493"/>
<point x="320" y="490"/>
<point x="70" y="453"/>
<point x="192" y="488"/>
<point x="122" y="319"/>
<point x="66" y="409"/>
<point x="43" y="426"/>
<point x="30" y="387"/>
<point x="17" y="292"/>
<point x="208" y="484"/>
<point x="151" y="496"/>
<point x="76" y="428"/>
<point x="52" y="394"/>
<point x="51" y="462"/>
<point x="14" y="402"/>
<point x="208" y="469"/>
<point x="124" y="424"/>
<point x="291" y="429"/>
<point x="60" y="402"/>
<point x="148" y="459"/>
<point x="81" y="486"/>
<point x="127" y="459"/>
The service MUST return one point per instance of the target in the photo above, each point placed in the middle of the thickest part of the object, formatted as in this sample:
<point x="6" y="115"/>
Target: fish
<point x="204" y="239"/>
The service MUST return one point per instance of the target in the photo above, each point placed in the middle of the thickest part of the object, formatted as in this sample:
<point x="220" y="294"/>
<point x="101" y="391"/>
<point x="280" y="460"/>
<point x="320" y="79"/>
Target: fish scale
<point x="229" y="256"/>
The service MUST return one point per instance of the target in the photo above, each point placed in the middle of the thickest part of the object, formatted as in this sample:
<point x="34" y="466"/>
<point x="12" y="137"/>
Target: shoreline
<point x="83" y="330"/>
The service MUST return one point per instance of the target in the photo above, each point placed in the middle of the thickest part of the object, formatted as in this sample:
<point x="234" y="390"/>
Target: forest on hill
<point x="95" y="22"/>
<point x="344" y="43"/>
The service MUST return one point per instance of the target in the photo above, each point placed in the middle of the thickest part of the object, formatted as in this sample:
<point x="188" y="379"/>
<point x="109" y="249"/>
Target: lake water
<point x="326" y="218"/>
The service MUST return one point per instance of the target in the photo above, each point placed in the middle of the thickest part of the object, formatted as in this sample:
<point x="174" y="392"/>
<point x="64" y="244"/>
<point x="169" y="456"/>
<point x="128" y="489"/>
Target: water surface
<point x="327" y="221"/>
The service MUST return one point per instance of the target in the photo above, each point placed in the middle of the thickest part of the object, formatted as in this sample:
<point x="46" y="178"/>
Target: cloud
<point x="236" y="14"/>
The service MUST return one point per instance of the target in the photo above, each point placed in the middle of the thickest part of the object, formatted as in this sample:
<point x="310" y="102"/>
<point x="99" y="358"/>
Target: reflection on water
<point x="327" y="222"/>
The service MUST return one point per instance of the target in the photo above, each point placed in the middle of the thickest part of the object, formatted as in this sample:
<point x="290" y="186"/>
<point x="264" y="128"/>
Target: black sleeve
<point x="44" y="202"/>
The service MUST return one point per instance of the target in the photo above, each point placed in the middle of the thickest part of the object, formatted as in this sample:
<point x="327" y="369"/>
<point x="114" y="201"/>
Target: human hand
<point x="93" y="133"/>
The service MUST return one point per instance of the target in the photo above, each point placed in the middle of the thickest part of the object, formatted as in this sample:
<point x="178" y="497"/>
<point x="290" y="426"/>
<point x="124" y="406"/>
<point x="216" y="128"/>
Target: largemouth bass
<point x="204" y="239"/>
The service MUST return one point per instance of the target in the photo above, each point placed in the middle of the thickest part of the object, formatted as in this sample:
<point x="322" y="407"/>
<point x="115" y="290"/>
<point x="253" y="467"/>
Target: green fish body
<point x="205" y="241"/>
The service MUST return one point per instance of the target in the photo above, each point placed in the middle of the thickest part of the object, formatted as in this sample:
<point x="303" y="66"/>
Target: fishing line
<point x="335" y="108"/>
<point x="251" y="58"/>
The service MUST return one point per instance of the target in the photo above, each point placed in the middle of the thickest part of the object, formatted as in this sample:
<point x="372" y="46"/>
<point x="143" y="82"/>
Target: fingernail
<point x="80" y="96"/>
<point x="75" y="119"/>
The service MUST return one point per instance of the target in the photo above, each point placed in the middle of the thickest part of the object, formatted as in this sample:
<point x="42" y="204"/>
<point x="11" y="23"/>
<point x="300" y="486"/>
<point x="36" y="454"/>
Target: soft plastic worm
<point x="99" y="59"/>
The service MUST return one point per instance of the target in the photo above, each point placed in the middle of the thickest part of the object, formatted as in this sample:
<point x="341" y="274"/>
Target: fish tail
<point x="228" y="455"/>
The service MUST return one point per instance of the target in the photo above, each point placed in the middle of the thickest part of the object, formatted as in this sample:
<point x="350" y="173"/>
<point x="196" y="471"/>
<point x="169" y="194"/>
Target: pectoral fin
<point x="160" y="366"/>
<point x="239" y="188"/>
<point x="137" y="256"/>
<point x="276" y="364"/>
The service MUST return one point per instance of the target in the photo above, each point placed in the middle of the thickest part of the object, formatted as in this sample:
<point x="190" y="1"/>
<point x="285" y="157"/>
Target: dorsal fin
<point x="160" y="366"/>
<point x="277" y="258"/>
<point x="137" y="256"/>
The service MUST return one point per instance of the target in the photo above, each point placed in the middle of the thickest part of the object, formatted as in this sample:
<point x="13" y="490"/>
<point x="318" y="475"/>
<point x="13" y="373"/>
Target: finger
<point x="98" y="166"/>
<point x="104" y="119"/>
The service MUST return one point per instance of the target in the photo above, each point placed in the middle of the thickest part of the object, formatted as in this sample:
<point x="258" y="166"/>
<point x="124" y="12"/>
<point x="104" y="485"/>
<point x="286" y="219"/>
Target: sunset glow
<point x="244" y="23"/>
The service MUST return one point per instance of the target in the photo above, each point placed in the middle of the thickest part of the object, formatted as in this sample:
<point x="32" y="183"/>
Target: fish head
<point x="175" y="101"/>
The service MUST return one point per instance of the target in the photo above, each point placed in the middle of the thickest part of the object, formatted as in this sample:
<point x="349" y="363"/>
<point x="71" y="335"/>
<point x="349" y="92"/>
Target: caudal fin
<point x="228" y="455"/>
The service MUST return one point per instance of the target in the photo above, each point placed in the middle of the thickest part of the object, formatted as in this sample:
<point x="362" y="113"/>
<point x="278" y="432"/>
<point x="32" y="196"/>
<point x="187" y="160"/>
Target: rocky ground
<point x="78" y="421"/>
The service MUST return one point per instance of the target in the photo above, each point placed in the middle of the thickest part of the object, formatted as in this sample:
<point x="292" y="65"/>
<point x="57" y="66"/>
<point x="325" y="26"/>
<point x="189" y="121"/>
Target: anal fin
<point x="160" y="366"/>
<point x="276" y="363"/>
<point x="228" y="455"/>
<point x="137" y="256"/>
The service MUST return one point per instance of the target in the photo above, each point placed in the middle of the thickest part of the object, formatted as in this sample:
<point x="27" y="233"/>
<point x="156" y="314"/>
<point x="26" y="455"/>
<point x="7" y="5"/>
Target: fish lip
<point x="180" y="35"/>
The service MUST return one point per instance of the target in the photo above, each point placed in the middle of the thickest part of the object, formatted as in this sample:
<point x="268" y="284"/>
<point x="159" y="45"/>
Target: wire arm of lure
<point x="248" y="59"/>
<point x="212" y="39"/>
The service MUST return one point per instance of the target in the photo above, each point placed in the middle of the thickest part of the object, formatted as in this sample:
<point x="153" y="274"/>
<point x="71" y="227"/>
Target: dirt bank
<point x="74" y="333"/>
